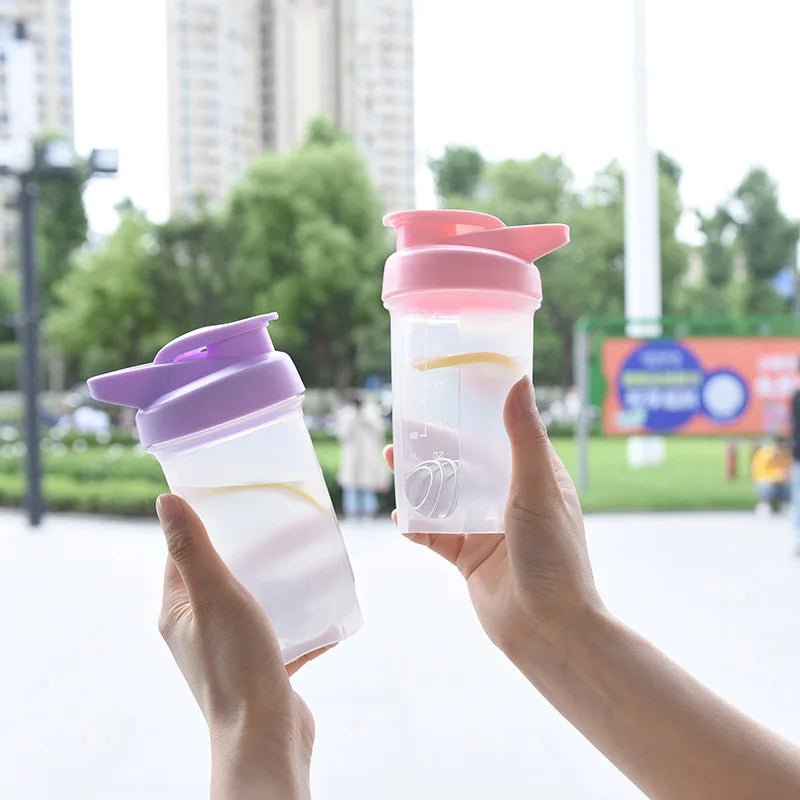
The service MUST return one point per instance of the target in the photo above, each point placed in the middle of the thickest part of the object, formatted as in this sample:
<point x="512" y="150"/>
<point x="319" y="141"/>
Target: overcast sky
<point x="511" y="77"/>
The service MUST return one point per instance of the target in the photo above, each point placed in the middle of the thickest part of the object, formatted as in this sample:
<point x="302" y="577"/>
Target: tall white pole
<point x="642" y="251"/>
<point x="642" y="234"/>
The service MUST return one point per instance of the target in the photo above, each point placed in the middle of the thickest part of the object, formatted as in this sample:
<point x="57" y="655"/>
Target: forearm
<point x="668" y="733"/>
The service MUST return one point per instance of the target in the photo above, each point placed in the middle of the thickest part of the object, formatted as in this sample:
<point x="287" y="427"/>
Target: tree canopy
<point x="301" y="234"/>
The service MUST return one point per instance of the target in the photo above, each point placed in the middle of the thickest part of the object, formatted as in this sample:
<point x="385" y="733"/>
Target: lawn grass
<point x="124" y="480"/>
<point x="691" y="478"/>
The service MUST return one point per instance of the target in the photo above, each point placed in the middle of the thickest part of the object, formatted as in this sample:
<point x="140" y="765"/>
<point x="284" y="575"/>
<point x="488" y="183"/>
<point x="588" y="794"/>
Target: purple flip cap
<point x="202" y="379"/>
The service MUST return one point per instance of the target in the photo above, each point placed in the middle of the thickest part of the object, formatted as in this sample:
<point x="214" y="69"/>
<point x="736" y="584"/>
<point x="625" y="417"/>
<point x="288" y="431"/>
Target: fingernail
<point x="527" y="401"/>
<point x="168" y="507"/>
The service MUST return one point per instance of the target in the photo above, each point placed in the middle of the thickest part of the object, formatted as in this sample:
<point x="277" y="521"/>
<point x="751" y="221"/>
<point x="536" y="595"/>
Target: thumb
<point x="190" y="549"/>
<point x="533" y="478"/>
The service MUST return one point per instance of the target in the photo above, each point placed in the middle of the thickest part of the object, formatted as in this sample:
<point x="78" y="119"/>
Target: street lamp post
<point x="30" y="313"/>
<point x="29" y="164"/>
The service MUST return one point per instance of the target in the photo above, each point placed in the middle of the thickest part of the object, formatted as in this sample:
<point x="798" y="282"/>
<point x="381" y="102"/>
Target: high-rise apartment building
<point x="308" y="67"/>
<point x="384" y="125"/>
<point x="214" y="92"/>
<point x="47" y="24"/>
<point x="246" y="75"/>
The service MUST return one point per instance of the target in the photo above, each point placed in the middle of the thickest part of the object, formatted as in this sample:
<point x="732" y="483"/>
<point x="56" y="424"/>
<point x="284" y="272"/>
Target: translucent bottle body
<point x="452" y="370"/>
<point x="257" y="485"/>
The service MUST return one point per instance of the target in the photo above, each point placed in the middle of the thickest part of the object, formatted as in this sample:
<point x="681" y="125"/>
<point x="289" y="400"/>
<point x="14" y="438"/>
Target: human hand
<point x="261" y="731"/>
<point x="535" y="596"/>
<point x="530" y="583"/>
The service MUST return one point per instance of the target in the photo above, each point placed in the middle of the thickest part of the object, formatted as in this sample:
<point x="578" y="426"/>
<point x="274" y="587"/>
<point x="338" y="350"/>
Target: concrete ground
<point x="418" y="704"/>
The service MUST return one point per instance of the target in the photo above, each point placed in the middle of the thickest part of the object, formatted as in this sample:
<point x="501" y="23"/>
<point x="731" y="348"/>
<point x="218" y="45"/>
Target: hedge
<point x="114" y="436"/>
<point x="124" y="481"/>
<point x="127" y="498"/>
<point x="9" y="365"/>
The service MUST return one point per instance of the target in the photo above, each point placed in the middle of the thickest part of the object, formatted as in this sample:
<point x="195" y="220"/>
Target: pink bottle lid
<point x="466" y="258"/>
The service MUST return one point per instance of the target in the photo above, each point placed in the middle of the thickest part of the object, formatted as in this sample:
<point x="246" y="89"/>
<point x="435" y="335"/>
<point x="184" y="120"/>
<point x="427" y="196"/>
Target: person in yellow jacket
<point x="770" y="470"/>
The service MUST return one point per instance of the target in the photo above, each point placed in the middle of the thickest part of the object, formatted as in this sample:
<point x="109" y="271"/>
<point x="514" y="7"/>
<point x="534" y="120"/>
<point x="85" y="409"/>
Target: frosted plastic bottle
<point x="461" y="290"/>
<point x="221" y="410"/>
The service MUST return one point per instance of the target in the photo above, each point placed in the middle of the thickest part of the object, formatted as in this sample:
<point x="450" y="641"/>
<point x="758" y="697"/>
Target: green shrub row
<point x="125" y="498"/>
<point x="115" y="436"/>
<point x="96" y="464"/>
<point x="124" y="482"/>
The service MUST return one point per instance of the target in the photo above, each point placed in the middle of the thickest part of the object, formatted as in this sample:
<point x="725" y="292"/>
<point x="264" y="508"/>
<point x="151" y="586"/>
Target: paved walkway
<point x="416" y="705"/>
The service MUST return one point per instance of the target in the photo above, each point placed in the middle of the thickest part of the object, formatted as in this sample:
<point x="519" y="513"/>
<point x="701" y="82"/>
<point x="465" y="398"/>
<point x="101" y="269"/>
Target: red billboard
<point x="699" y="386"/>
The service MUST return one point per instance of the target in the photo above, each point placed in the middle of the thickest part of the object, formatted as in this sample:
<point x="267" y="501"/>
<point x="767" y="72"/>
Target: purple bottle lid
<point x="203" y="379"/>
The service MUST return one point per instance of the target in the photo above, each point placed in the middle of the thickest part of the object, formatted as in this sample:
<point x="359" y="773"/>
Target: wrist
<point x="250" y="762"/>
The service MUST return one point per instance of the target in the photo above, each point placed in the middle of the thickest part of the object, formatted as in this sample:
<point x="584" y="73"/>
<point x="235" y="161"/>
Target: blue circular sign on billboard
<point x="724" y="395"/>
<point x="660" y="385"/>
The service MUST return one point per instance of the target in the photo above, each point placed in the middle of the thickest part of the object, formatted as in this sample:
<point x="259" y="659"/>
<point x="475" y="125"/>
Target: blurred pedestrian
<point x="362" y="473"/>
<point x="770" y="470"/>
<point x="795" y="417"/>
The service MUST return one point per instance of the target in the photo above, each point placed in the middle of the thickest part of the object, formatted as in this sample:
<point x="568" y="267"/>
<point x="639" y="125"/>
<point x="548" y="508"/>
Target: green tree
<point x="9" y="305"/>
<point x="108" y="315"/>
<point x="299" y="234"/>
<point x="522" y="192"/>
<point x="718" y="251"/>
<point x="194" y="271"/>
<point x="585" y="278"/>
<point x="767" y="239"/>
<point x="61" y="227"/>
<point x="458" y="172"/>
<point x="674" y="253"/>
<point x="588" y="276"/>
<point x="714" y="291"/>
<point x="305" y="239"/>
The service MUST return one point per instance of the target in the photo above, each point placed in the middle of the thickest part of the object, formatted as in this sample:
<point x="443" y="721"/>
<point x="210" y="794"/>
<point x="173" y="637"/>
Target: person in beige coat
<point x="362" y="472"/>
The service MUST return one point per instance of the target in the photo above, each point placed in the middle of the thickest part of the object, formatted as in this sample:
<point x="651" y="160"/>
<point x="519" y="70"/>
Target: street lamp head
<point x="57" y="156"/>
<point x="104" y="161"/>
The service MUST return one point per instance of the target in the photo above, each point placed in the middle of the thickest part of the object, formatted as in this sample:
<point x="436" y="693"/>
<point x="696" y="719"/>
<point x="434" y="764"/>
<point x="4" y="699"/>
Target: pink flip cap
<point x="465" y="251"/>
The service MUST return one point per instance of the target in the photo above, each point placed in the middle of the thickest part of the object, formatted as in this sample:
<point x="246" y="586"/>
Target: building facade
<point x="47" y="25"/>
<point x="213" y="86"/>
<point x="384" y="125"/>
<point x="247" y="75"/>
